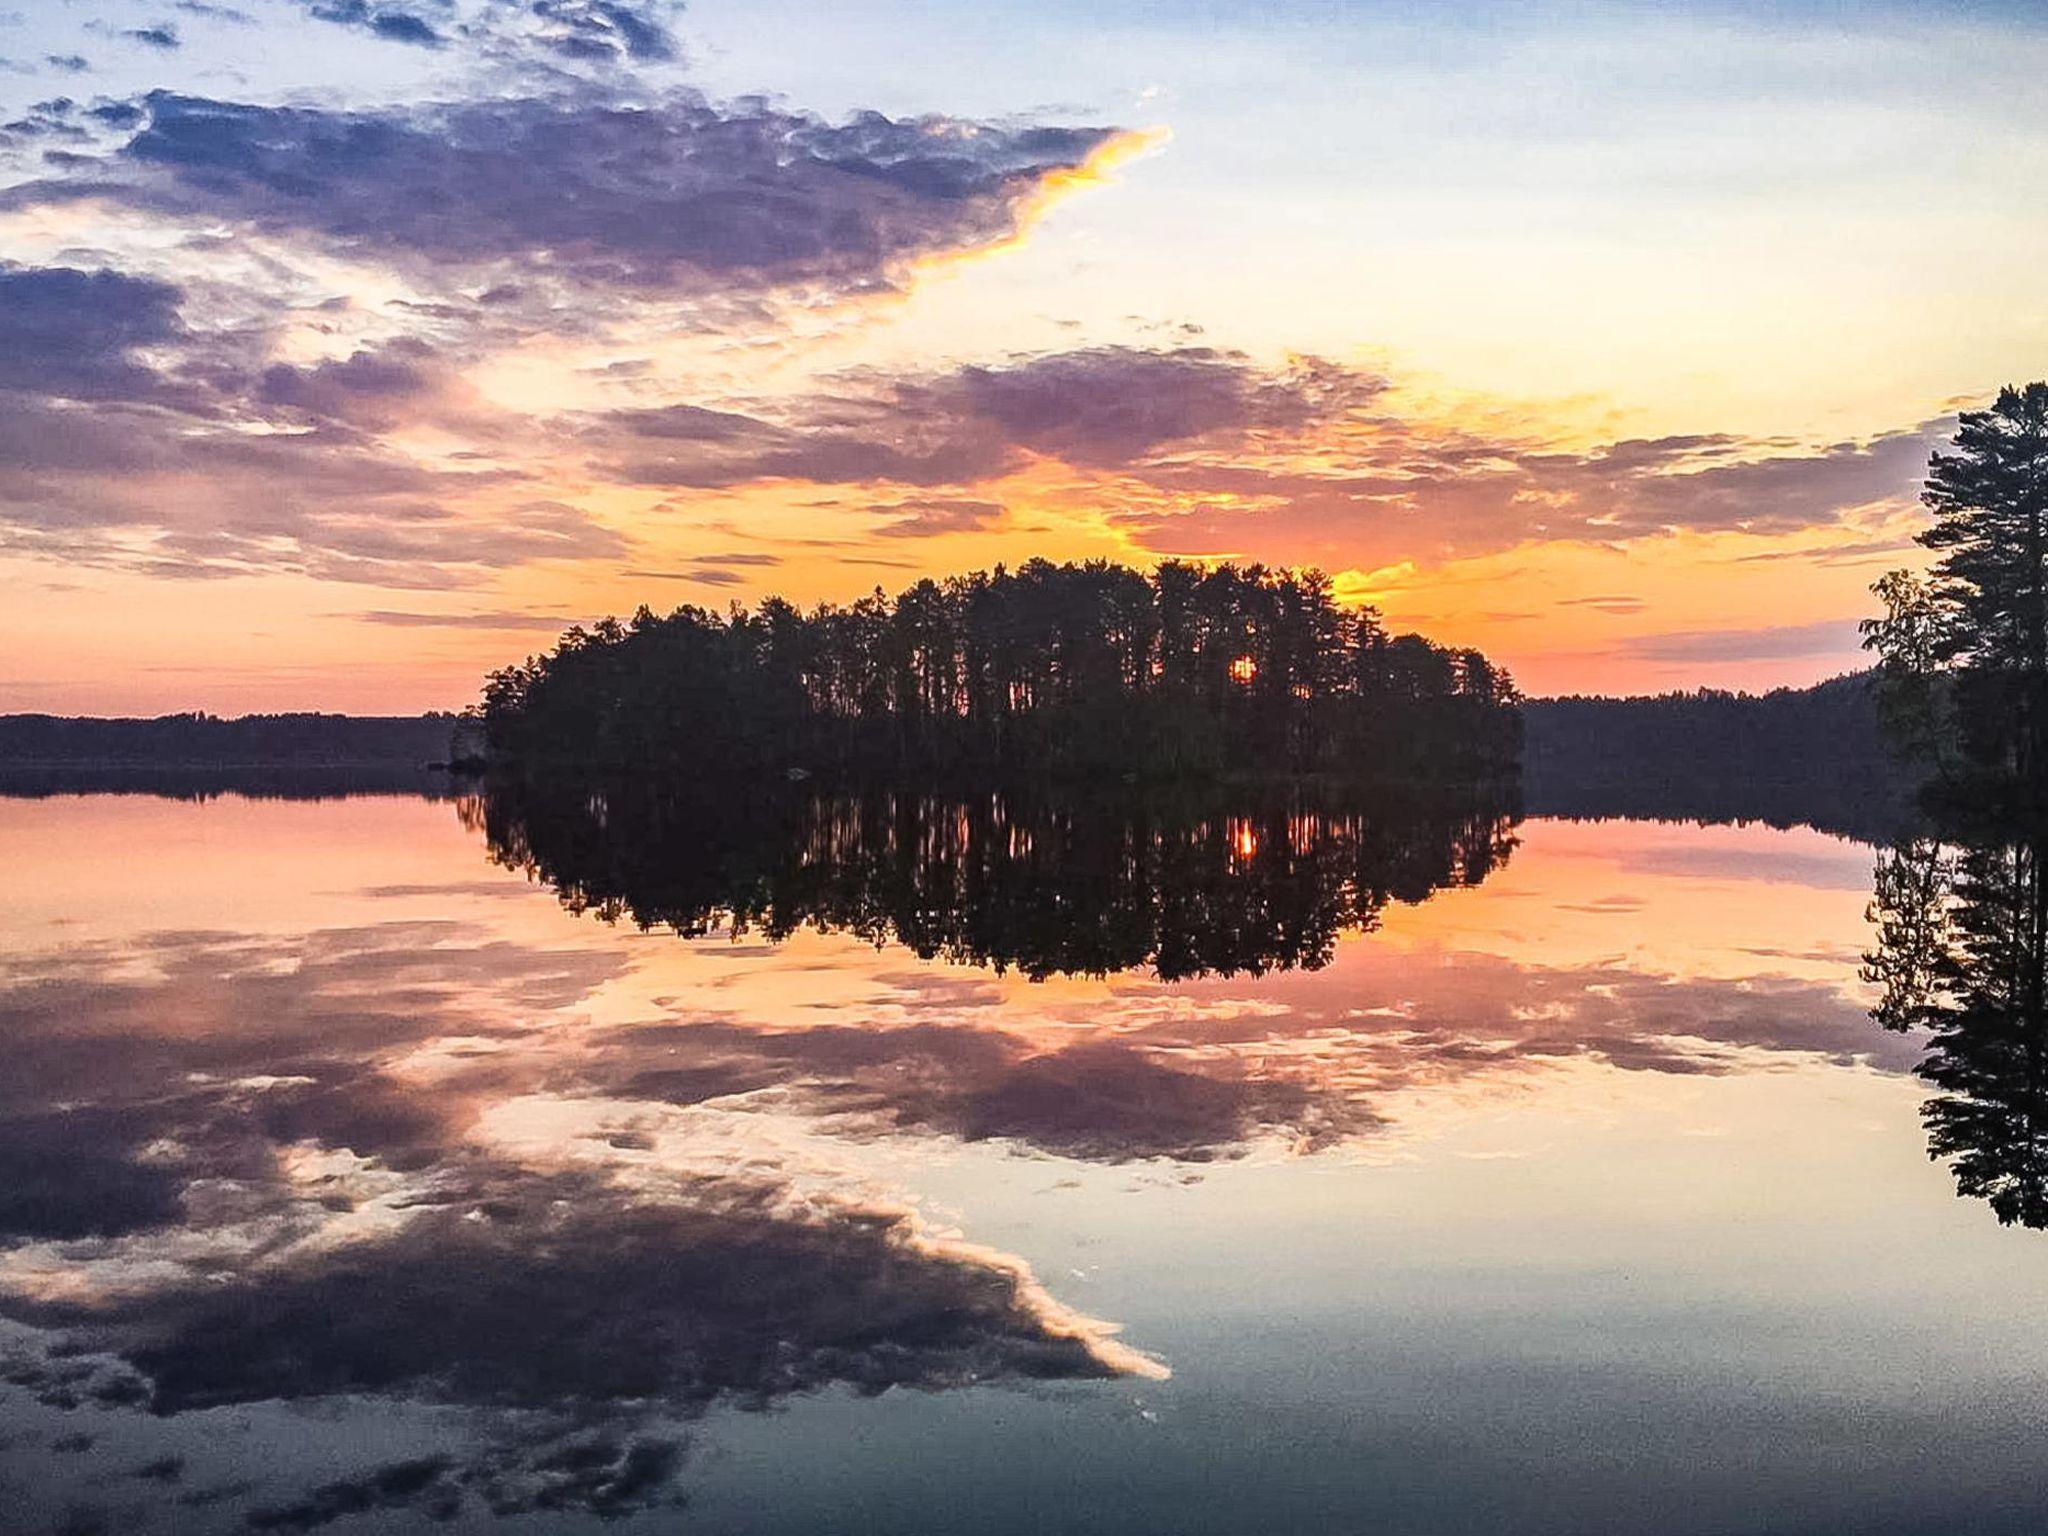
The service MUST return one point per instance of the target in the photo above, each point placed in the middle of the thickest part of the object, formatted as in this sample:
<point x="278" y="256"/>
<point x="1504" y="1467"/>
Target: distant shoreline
<point x="1809" y="756"/>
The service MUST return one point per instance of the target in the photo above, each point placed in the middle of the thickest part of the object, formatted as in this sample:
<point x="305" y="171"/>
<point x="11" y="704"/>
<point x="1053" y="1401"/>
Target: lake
<point x="977" y="1167"/>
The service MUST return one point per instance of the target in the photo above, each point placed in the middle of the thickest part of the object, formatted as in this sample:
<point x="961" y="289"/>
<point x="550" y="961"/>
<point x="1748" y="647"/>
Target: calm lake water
<point x="367" y="1166"/>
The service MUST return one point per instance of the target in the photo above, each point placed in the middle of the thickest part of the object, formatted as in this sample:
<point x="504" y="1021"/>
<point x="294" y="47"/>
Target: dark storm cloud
<point x="671" y="197"/>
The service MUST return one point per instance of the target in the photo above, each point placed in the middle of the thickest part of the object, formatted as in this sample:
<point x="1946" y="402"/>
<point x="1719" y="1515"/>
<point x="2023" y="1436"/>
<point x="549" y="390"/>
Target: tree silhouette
<point x="1963" y="953"/>
<point x="1088" y="670"/>
<point x="1975" y="634"/>
<point x="1185" y="884"/>
<point x="1963" y="914"/>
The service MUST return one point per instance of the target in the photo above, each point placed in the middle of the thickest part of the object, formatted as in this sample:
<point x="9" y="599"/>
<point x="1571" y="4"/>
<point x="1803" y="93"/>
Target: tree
<point x="1910" y="642"/>
<point x="1983" y="615"/>
<point x="1053" y="669"/>
<point x="1962" y="953"/>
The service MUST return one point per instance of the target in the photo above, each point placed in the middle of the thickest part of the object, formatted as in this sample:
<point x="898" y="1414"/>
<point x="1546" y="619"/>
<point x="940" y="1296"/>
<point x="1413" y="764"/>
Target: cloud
<point x="925" y="517"/>
<point x="1111" y="406"/>
<point x="392" y="23"/>
<point x="715" y="1292"/>
<point x="1392" y="489"/>
<point x="129" y="440"/>
<point x="161" y="1128"/>
<point x="670" y="197"/>
<point x="399" y="619"/>
<point x="1618" y="604"/>
<point x="1100" y="407"/>
<point x="1778" y="642"/>
<point x="71" y="333"/>
<point x="534" y="37"/>
<point x="181" y="430"/>
<point x="162" y="36"/>
<point x="1197" y="451"/>
<point x="368" y="388"/>
<point x="607" y="30"/>
<point x="226" y="13"/>
<point x="1101" y="1100"/>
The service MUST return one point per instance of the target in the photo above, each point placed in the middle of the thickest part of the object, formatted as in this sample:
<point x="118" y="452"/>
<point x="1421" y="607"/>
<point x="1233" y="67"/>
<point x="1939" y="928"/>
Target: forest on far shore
<point x="1816" y="755"/>
<point x="1092" y="670"/>
<point x="199" y="740"/>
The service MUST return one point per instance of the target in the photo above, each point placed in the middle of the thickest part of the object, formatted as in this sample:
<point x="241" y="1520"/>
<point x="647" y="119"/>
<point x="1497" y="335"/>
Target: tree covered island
<point x="1078" y="671"/>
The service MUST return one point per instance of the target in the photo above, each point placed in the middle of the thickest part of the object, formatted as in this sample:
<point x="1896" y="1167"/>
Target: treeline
<point x="1089" y="669"/>
<point x="1814" y="756"/>
<point x="203" y="740"/>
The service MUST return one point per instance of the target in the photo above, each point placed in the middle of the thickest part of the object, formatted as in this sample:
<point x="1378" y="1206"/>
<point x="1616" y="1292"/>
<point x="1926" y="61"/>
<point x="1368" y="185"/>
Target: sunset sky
<point x="349" y="348"/>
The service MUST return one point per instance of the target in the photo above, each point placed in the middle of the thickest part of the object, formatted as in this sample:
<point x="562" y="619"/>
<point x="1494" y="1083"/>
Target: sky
<point x="351" y="348"/>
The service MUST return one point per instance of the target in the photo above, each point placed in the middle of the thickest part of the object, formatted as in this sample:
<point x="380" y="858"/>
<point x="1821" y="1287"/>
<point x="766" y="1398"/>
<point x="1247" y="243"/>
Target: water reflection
<point x="319" y="1134"/>
<point x="1186" y="886"/>
<point x="238" y="1170"/>
<point x="1963" y="954"/>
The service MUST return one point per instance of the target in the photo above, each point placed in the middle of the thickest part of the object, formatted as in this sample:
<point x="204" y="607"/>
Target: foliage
<point x="1085" y="670"/>
<point x="1962" y="917"/>
<point x="1186" y="881"/>
<point x="1809" y="755"/>
<point x="1963" y="953"/>
<point x="1979" y="624"/>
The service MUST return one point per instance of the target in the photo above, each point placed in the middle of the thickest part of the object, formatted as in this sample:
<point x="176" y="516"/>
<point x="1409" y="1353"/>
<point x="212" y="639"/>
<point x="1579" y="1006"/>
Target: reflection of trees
<point x="1962" y="952"/>
<point x="1050" y="886"/>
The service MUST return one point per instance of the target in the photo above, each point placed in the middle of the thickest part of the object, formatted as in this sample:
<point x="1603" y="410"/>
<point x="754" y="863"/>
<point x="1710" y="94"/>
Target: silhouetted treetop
<point x="1073" y="669"/>
<point x="1964" y="650"/>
